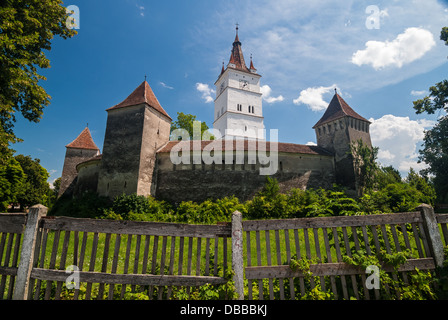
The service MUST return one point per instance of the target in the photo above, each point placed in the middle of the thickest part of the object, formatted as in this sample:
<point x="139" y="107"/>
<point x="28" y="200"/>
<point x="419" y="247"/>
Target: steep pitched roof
<point x="237" y="57"/>
<point x="338" y="108"/>
<point x="83" y="141"/>
<point x="281" y="147"/>
<point x="252" y="64"/>
<point x="142" y="94"/>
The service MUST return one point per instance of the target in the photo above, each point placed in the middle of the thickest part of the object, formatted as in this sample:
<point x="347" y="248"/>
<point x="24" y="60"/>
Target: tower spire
<point x="237" y="40"/>
<point x="237" y="58"/>
<point x="252" y="64"/>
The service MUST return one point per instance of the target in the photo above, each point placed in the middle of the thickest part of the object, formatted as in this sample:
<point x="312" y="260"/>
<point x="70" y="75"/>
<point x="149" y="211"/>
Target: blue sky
<point x="302" y="49"/>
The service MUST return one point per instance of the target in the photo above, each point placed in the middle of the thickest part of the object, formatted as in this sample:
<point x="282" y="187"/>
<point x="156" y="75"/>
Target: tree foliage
<point x="35" y="188"/>
<point x="435" y="143"/>
<point x="366" y="167"/>
<point x="12" y="181"/>
<point x="186" y="122"/>
<point x="26" y="30"/>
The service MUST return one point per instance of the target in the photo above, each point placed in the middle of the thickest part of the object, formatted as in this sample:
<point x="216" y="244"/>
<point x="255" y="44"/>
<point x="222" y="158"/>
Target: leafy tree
<point x="56" y="186"/>
<point x="35" y="188"/>
<point x="435" y="143"/>
<point x="387" y="175"/>
<point x="398" y="197"/>
<point x="186" y="121"/>
<point x="421" y="184"/>
<point x="366" y="168"/>
<point x="12" y="181"/>
<point x="26" y="29"/>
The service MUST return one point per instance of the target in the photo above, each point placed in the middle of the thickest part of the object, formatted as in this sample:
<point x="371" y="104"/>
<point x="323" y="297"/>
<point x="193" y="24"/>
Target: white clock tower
<point x="238" y="107"/>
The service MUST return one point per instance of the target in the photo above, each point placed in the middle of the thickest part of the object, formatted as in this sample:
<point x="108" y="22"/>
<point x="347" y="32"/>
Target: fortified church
<point x="138" y="154"/>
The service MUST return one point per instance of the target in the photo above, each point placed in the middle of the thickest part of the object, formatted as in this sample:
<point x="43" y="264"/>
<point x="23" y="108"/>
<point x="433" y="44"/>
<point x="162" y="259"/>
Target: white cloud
<point x="311" y="143"/>
<point x="206" y="92"/>
<point x="313" y="97"/>
<point x="266" y="91"/>
<point x="289" y="49"/>
<point x="398" y="139"/>
<point x="417" y="93"/>
<point x="163" y="84"/>
<point x="405" y="48"/>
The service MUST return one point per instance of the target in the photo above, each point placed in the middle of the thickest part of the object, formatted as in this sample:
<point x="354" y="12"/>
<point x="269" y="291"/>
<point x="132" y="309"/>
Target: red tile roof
<point x="252" y="64"/>
<point x="83" y="141"/>
<point x="142" y="94"/>
<point x="338" y="108"/>
<point x="236" y="57"/>
<point x="281" y="147"/>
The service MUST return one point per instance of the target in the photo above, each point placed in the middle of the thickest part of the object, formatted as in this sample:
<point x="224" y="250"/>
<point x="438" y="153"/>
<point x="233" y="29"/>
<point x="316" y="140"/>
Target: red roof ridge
<point x="142" y="94"/>
<point x="281" y="146"/>
<point x="83" y="141"/>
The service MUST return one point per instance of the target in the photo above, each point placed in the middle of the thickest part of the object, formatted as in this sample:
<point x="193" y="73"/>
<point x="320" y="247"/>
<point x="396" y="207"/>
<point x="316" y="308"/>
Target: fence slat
<point x="62" y="263"/>
<point x="328" y="269"/>
<point x="249" y="262"/>
<point x="132" y="279"/>
<point x="258" y="245"/>
<point x="269" y="262"/>
<point x="104" y="264"/>
<point x="279" y="262"/>
<point x="115" y="263"/>
<point x="92" y="263"/>
<point x="137" y="227"/>
<point x="126" y="263"/>
<point x="341" y="221"/>
<point x="339" y="259"/>
<point x="349" y="253"/>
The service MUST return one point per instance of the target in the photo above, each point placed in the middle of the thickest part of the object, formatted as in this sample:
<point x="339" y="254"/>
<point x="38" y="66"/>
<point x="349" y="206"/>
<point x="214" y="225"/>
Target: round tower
<point x="79" y="150"/>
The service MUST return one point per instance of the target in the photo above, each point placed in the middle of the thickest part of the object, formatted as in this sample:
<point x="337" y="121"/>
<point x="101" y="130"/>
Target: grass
<point x="296" y="241"/>
<point x="137" y="254"/>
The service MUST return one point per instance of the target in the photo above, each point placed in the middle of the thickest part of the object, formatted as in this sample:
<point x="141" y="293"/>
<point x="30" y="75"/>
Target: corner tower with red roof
<point x="79" y="150"/>
<point x="335" y="131"/>
<point x="135" y="129"/>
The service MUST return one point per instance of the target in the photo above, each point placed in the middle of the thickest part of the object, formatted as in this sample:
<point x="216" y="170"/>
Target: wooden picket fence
<point x="327" y="240"/>
<point x="110" y="257"/>
<point x="115" y="258"/>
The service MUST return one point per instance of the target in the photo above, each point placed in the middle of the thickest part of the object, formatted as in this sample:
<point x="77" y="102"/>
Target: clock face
<point x="244" y="84"/>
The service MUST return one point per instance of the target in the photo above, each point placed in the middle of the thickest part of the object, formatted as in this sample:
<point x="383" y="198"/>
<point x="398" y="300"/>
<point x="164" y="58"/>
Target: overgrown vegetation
<point x="268" y="203"/>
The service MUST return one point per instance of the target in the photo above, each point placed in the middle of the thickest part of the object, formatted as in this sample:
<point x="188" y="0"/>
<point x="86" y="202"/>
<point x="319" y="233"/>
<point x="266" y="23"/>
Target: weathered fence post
<point x="237" y="253"/>
<point x="27" y="254"/>
<point x="432" y="228"/>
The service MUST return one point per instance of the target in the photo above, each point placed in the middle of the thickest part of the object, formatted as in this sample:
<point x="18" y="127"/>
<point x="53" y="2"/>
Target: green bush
<point x="398" y="197"/>
<point x="88" y="205"/>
